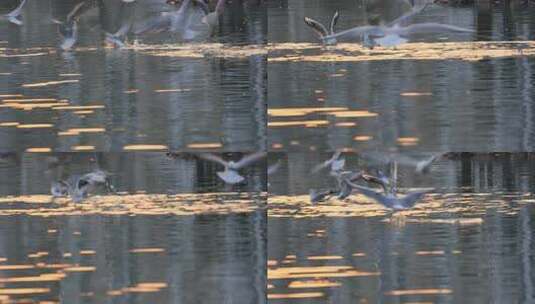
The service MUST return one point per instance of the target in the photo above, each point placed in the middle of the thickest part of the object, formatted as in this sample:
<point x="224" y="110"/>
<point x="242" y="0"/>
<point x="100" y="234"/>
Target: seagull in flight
<point x="336" y="163"/>
<point x="230" y="175"/>
<point x="392" y="200"/>
<point x="14" y="15"/>
<point x="391" y="34"/>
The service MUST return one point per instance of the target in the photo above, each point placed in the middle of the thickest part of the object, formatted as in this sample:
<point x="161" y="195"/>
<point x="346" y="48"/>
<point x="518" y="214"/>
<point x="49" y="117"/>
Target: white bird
<point x="68" y="29"/>
<point x="335" y="162"/>
<point x="116" y="38"/>
<point x="230" y="175"/>
<point x="376" y="33"/>
<point x="391" y="34"/>
<point x="321" y="30"/>
<point x="14" y="15"/>
<point x="79" y="187"/>
<point x="391" y="200"/>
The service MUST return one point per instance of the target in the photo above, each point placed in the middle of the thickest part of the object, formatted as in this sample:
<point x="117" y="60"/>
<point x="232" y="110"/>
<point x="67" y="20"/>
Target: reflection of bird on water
<point x="230" y="175"/>
<point x="79" y="187"/>
<point x="391" y="34"/>
<point x="14" y="15"/>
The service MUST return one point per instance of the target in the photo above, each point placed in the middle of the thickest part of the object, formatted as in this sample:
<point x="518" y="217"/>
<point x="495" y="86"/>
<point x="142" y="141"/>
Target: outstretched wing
<point x="96" y="177"/>
<point x="154" y="24"/>
<point x="16" y="12"/>
<point x="410" y="199"/>
<point x="317" y="27"/>
<point x="334" y="21"/>
<point x="357" y="32"/>
<point x="213" y="158"/>
<point x="274" y="168"/>
<point x="408" y="15"/>
<point x="249" y="159"/>
<point x="426" y="28"/>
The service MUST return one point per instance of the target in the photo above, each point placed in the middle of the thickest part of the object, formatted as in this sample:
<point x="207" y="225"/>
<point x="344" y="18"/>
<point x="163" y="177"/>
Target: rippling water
<point x="172" y="233"/>
<point x="135" y="259"/>
<point x="118" y="98"/>
<point x="469" y="241"/>
<point x="439" y="105"/>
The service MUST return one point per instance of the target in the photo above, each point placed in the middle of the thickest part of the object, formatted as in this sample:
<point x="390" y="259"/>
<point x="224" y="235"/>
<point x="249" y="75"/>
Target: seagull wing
<point x="16" y="12"/>
<point x="334" y="21"/>
<point x="357" y="32"/>
<point x="411" y="198"/>
<point x="154" y="24"/>
<point x="274" y="168"/>
<point x="213" y="158"/>
<point x="423" y="28"/>
<point x="408" y="15"/>
<point x="378" y="197"/>
<point x="249" y="159"/>
<point x="317" y="27"/>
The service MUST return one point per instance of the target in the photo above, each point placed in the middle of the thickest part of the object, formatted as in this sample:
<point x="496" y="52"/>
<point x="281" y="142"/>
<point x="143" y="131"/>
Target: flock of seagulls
<point x="79" y="187"/>
<point x="391" y="34"/>
<point x="185" y="20"/>
<point x="387" y="195"/>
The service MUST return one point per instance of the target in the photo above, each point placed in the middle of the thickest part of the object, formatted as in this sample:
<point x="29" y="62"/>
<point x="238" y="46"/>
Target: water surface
<point x="436" y="104"/>
<point x="106" y="99"/>
<point x="470" y="240"/>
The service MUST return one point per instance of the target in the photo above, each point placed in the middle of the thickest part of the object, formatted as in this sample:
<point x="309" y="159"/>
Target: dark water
<point x="80" y="255"/>
<point x="471" y="241"/>
<point x="216" y="258"/>
<point x="143" y="98"/>
<point x="459" y="105"/>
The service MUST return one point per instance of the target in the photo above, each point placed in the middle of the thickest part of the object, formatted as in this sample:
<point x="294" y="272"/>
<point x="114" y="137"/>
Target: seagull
<point x="79" y="187"/>
<point x="391" y="200"/>
<point x="69" y="29"/>
<point x="345" y="190"/>
<point x="335" y="162"/>
<point x="230" y="175"/>
<point x="321" y="30"/>
<point x="14" y="15"/>
<point x="391" y="34"/>
<point x="116" y="38"/>
<point x="381" y="180"/>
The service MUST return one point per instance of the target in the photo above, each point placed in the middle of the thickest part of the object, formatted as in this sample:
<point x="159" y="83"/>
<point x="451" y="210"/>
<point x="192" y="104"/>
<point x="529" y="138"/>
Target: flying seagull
<point x="391" y="200"/>
<point x="230" y="175"/>
<point x="14" y="15"/>
<point x="335" y="162"/>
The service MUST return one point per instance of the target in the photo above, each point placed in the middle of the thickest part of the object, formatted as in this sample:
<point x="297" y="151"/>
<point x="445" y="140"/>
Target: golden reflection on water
<point x="354" y="52"/>
<point x="449" y="208"/>
<point x="137" y="204"/>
